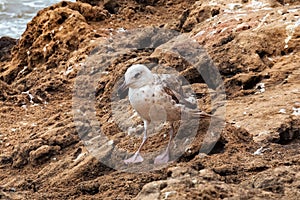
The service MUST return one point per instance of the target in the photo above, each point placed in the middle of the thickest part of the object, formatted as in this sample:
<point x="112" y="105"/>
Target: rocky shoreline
<point x="254" y="44"/>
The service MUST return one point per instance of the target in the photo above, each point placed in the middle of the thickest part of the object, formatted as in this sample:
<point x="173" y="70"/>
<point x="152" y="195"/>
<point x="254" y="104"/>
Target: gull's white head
<point x="138" y="76"/>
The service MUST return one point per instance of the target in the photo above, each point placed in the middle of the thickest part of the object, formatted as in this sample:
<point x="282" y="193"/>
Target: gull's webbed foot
<point x="136" y="158"/>
<point x="162" y="158"/>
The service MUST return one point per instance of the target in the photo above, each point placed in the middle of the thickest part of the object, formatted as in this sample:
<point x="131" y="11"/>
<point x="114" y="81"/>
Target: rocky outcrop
<point x="58" y="91"/>
<point x="50" y="40"/>
<point x="6" y="44"/>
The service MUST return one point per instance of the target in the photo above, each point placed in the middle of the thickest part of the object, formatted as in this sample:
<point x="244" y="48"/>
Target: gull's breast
<point x="152" y="103"/>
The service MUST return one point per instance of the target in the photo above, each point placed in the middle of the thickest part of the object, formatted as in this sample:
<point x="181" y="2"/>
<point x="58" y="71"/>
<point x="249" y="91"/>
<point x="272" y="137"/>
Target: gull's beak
<point x="122" y="90"/>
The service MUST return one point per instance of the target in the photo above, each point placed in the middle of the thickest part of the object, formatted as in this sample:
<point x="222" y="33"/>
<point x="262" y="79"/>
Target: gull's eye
<point x="137" y="75"/>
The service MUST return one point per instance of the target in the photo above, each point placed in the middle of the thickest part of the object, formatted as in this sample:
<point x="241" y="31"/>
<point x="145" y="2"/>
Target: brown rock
<point x="111" y="5"/>
<point x="42" y="154"/>
<point x="57" y="147"/>
<point x="92" y="2"/>
<point x="6" y="44"/>
<point x="198" y="14"/>
<point x="5" y="91"/>
<point x="277" y="180"/>
<point x="50" y="43"/>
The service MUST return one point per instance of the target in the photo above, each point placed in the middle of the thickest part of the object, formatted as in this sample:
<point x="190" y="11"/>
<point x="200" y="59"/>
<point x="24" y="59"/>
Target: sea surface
<point x="15" y="14"/>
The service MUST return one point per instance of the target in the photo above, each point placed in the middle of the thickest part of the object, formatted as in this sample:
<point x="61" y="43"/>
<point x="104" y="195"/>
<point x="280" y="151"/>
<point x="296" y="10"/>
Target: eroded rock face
<point x="48" y="40"/>
<point x="6" y="44"/>
<point x="92" y="2"/>
<point x="255" y="46"/>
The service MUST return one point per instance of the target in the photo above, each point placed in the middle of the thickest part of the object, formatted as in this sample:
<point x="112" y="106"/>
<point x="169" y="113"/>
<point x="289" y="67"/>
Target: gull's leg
<point x="164" y="157"/>
<point x="136" y="158"/>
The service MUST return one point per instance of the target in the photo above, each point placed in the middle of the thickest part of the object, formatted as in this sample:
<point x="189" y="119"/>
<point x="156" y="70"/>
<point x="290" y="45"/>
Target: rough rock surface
<point x="47" y="152"/>
<point x="6" y="44"/>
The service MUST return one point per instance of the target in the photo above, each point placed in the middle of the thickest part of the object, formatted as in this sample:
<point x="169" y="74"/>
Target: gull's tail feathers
<point x="196" y="114"/>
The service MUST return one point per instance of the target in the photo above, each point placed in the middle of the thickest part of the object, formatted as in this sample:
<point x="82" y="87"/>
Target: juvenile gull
<point x="157" y="97"/>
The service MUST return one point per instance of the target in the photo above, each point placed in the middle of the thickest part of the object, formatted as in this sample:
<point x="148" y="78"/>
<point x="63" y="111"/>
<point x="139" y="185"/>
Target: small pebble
<point x="282" y="111"/>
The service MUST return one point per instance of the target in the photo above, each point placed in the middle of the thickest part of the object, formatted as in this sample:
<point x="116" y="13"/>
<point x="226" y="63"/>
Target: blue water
<point x="15" y="14"/>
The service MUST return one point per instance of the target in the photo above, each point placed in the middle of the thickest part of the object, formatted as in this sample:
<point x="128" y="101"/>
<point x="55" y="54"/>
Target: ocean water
<point x="15" y="14"/>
